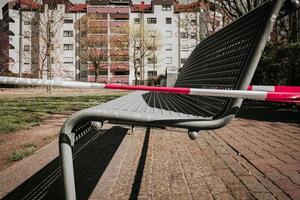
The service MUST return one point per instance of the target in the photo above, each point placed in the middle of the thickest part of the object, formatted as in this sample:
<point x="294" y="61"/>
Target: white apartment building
<point x="161" y="19"/>
<point x="32" y="59"/>
<point x="11" y="25"/>
<point x="195" y="26"/>
<point x="175" y="29"/>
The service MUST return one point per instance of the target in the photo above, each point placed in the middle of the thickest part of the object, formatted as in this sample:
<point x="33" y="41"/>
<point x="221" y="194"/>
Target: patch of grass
<point x="29" y="145"/>
<point x="17" y="113"/>
<point x="48" y="139"/>
<point x="20" y="154"/>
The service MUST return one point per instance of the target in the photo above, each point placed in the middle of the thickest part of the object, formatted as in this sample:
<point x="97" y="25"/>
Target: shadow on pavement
<point x="269" y="113"/>
<point x="90" y="161"/>
<point x="136" y="186"/>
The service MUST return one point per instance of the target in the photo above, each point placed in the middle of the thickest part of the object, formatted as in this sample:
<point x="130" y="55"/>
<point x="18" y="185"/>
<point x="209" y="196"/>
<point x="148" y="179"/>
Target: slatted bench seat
<point x="225" y="60"/>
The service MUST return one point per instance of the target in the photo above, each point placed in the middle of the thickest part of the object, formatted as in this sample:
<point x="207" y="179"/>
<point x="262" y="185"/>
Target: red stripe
<point x="287" y="88"/>
<point x="279" y="88"/>
<point x="283" y="97"/>
<point x="149" y="88"/>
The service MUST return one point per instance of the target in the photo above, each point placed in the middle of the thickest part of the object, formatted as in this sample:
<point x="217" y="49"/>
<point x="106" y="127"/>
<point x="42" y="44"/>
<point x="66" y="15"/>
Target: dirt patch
<point x="39" y="136"/>
<point x="40" y="91"/>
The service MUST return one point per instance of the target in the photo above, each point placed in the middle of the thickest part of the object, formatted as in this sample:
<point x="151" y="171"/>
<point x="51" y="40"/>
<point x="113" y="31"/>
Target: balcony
<point x="110" y="9"/>
<point x="114" y="66"/>
<point x="113" y="79"/>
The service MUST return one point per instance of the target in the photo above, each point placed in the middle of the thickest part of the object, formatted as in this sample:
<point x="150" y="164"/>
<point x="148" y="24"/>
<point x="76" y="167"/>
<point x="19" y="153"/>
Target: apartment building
<point x="172" y="32"/>
<point x="12" y="22"/>
<point x="108" y="21"/>
<point x="42" y="38"/>
<point x="160" y="21"/>
<point x="196" y="21"/>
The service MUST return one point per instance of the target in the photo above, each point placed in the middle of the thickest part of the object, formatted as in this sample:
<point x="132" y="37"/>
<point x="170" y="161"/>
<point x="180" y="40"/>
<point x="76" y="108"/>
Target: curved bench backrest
<point x="228" y="59"/>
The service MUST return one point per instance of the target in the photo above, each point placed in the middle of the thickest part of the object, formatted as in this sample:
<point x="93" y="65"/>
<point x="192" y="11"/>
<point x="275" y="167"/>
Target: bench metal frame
<point x="189" y="121"/>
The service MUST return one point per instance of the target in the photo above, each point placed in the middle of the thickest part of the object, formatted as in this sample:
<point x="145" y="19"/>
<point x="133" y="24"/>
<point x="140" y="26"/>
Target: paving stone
<point x="287" y="185"/>
<point x="252" y="184"/>
<point x="287" y="166"/>
<point x="293" y="175"/>
<point x="295" y="194"/>
<point x="276" y="176"/>
<point x="223" y="196"/>
<point x="265" y="168"/>
<point x="215" y="184"/>
<point x="264" y="196"/>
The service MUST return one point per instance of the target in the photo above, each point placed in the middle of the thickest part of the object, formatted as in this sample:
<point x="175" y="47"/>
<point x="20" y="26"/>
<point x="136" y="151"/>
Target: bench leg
<point x="96" y="125"/>
<point x="66" y="157"/>
<point x="193" y="134"/>
<point x="131" y="130"/>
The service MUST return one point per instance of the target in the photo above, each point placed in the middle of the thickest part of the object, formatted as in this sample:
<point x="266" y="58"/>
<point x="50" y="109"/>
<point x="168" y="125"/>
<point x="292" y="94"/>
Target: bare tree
<point x="141" y="45"/>
<point x="202" y="17"/>
<point x="237" y="8"/>
<point x="45" y="23"/>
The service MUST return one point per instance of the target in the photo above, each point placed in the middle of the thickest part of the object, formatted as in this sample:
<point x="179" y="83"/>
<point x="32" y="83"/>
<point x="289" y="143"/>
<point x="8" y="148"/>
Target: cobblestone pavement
<point x="272" y="147"/>
<point x="166" y="164"/>
<point x="228" y="163"/>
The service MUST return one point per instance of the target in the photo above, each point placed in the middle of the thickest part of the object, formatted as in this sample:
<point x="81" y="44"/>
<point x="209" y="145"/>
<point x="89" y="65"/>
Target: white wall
<point x="165" y="58"/>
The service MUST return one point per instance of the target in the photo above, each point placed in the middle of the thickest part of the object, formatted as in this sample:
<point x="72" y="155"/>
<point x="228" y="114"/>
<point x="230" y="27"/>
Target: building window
<point x="168" y="60"/>
<point x="68" y="60"/>
<point x="26" y="47"/>
<point x="166" y="8"/>
<point x="183" y="60"/>
<point x="184" y="35"/>
<point x="68" y="33"/>
<point x="151" y="60"/>
<point x="68" y="46"/>
<point x="136" y="20"/>
<point x="68" y="21"/>
<point x="168" y="20"/>
<point x="168" y="47"/>
<point x="193" y="35"/>
<point x="121" y="73"/>
<point x="26" y="34"/>
<point x="152" y="73"/>
<point x="168" y="34"/>
<point x="184" y="48"/>
<point x="102" y="72"/>
<point x="151" y="20"/>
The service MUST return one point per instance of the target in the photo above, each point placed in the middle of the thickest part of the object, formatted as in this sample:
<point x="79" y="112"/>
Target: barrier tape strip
<point x="279" y="95"/>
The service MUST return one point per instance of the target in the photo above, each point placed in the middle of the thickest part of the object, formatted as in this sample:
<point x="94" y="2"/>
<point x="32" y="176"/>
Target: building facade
<point x="57" y="39"/>
<point x="109" y="20"/>
<point x="159" y="20"/>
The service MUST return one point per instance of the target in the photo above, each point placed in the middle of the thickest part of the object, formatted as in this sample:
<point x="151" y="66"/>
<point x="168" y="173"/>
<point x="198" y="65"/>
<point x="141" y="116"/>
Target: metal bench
<point x="226" y="60"/>
<point x="221" y="64"/>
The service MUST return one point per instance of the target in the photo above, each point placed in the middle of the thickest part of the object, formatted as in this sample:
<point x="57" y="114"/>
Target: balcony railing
<point x="113" y="79"/>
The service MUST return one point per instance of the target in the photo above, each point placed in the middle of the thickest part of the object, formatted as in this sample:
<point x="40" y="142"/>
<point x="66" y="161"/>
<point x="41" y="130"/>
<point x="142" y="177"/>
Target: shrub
<point x="279" y="65"/>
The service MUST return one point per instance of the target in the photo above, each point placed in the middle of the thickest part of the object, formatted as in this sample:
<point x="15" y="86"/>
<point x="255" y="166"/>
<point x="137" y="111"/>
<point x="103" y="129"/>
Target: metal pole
<point x="20" y="42"/>
<point x="67" y="170"/>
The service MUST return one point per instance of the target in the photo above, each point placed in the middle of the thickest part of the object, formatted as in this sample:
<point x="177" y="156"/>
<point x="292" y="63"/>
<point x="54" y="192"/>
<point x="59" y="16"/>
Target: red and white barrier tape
<point x="256" y="95"/>
<point x="278" y="88"/>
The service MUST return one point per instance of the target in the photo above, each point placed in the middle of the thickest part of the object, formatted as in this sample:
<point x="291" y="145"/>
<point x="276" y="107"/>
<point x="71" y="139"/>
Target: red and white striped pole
<point x="274" y="96"/>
